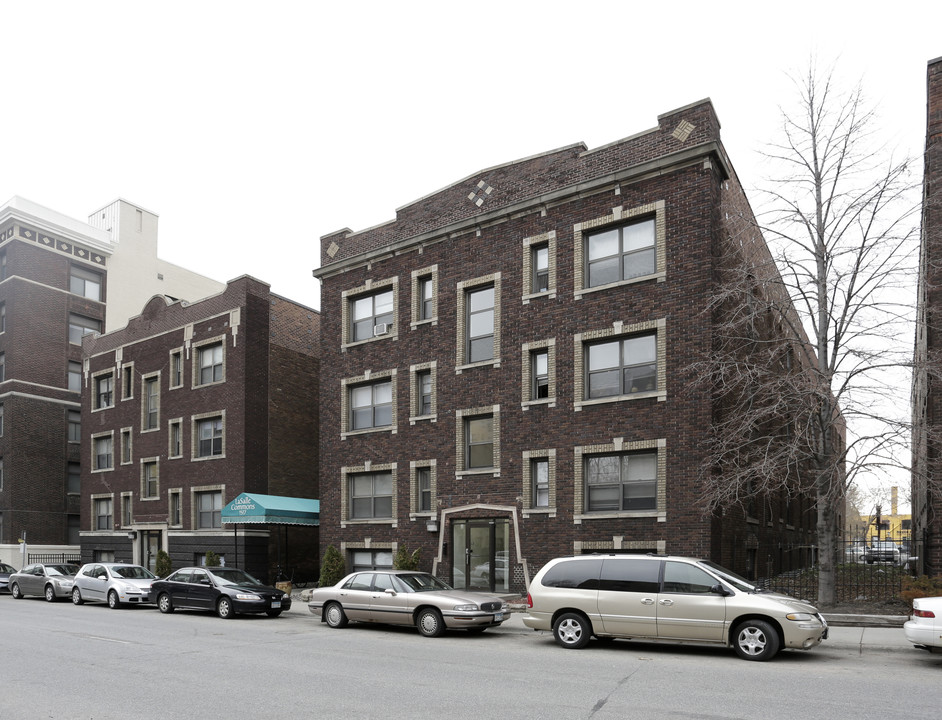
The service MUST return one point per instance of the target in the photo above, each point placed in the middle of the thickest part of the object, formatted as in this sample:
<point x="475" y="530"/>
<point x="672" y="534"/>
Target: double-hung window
<point x="210" y="359"/>
<point x="85" y="283"/>
<point x="104" y="391"/>
<point x="371" y="405"/>
<point x="426" y="297"/>
<point x="480" y="324"/>
<point x="149" y="477"/>
<point x="103" y="452"/>
<point x="539" y="477"/>
<point x="539" y="374"/>
<point x="539" y="267"/>
<point x="75" y="376"/>
<point x="104" y="513"/>
<point x="479" y="442"/>
<point x="620" y="253"/>
<point x="80" y="326"/>
<point x="209" y="510"/>
<point x="620" y="482"/>
<point x="151" y="403"/>
<point x="370" y="495"/>
<point x="371" y="315"/>
<point x="209" y="437"/>
<point x="423" y="481"/>
<point x="423" y="388"/>
<point x="621" y="366"/>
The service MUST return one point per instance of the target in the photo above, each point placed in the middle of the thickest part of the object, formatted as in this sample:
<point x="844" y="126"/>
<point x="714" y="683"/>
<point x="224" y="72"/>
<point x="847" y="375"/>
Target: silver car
<point x="405" y="597"/>
<point x="52" y="580"/>
<point x="114" y="583"/>
<point x="666" y="598"/>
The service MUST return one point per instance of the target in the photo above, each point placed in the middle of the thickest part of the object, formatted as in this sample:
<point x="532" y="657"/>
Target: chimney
<point x="894" y="500"/>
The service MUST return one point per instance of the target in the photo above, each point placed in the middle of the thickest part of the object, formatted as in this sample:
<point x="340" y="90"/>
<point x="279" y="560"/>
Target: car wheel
<point x="164" y="603"/>
<point x="15" y="591"/>
<point x="572" y="630"/>
<point x="113" y="601"/>
<point x="755" y="640"/>
<point x="273" y="613"/>
<point x="50" y="593"/>
<point x="77" y="596"/>
<point x="429" y="622"/>
<point x="335" y="616"/>
<point x="224" y="608"/>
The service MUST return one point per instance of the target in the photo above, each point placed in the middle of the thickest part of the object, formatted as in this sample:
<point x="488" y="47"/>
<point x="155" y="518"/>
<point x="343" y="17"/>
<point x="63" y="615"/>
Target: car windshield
<point x="6" y="568"/>
<point x="233" y="576"/>
<point x="61" y="569"/>
<point x="133" y="572"/>
<point x="422" y="582"/>
<point x="740" y="583"/>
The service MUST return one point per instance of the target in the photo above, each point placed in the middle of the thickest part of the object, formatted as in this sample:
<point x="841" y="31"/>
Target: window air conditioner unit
<point x="380" y="329"/>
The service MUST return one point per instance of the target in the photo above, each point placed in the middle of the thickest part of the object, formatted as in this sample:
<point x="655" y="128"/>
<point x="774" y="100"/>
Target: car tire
<point x="164" y="603"/>
<point x="334" y="615"/>
<point x="429" y="622"/>
<point x="755" y="640"/>
<point x="273" y="613"/>
<point x="113" y="602"/>
<point x="224" y="608"/>
<point x="15" y="591"/>
<point x="49" y="593"/>
<point x="77" y="596"/>
<point x="572" y="630"/>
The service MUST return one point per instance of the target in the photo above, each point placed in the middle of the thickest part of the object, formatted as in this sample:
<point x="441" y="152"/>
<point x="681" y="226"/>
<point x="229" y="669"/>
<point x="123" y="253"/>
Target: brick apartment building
<point x="187" y="407"/>
<point x="927" y="399"/>
<point x="506" y="366"/>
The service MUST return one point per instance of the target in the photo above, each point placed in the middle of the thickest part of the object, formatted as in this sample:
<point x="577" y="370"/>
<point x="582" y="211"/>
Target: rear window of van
<point x="582" y="574"/>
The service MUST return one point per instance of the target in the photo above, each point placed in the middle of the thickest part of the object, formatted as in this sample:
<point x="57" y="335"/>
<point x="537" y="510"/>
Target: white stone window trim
<point x="414" y="467"/>
<point x="144" y="379"/>
<point x="621" y="215"/>
<point x="195" y="361"/>
<point x="621" y="446"/>
<point x="460" y="440"/>
<point x="115" y="380"/>
<point x="130" y="435"/>
<point x="97" y="436"/>
<point x="194" y="508"/>
<point x="170" y="423"/>
<point x="414" y="371"/>
<point x="417" y="275"/>
<point x="195" y="439"/>
<point x="93" y="498"/>
<point x="619" y="329"/>
<point x="143" y="463"/>
<point x="548" y="239"/>
<point x="526" y="376"/>
<point x="177" y="351"/>
<point x="464" y="288"/>
<point x="368" y="467"/>
<point x="370" y="288"/>
<point x="528" y="508"/>
<point x="368" y="378"/>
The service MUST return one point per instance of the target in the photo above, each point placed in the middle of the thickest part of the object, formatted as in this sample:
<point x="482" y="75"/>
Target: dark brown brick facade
<point x="478" y="230"/>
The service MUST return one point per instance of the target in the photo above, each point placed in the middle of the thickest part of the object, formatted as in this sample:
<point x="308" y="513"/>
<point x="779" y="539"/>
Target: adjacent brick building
<point x="507" y="364"/>
<point x="188" y="406"/>
<point x="927" y="382"/>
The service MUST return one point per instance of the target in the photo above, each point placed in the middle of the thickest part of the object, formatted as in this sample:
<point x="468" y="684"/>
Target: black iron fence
<point x="870" y="573"/>
<point x="74" y="558"/>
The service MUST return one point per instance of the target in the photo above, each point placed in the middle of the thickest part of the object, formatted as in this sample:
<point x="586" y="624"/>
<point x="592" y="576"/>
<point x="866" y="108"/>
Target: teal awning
<point x="273" y="509"/>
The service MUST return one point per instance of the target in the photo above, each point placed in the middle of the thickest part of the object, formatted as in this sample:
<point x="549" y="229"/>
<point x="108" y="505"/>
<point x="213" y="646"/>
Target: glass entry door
<point x="150" y="544"/>
<point x="479" y="554"/>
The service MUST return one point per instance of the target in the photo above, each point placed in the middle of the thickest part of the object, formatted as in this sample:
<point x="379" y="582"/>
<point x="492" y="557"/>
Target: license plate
<point x="276" y="604"/>
<point x="498" y="617"/>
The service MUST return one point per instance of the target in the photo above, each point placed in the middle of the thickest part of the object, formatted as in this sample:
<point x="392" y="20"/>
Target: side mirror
<point x="389" y="591"/>
<point x="720" y="590"/>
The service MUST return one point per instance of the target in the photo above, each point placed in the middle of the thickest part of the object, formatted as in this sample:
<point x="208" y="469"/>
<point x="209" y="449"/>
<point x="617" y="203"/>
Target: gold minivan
<point x="666" y="598"/>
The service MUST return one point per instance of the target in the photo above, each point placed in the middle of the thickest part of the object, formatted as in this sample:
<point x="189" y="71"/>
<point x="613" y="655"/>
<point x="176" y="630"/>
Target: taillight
<point x="529" y="601"/>
<point x="923" y="613"/>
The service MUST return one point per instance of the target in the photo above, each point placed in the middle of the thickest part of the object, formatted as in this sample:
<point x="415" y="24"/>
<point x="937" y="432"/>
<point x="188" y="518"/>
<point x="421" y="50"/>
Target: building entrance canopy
<point x="272" y="509"/>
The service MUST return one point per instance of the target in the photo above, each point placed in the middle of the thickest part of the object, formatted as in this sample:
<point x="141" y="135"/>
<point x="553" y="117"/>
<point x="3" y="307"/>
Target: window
<point x="371" y="560"/>
<point x="371" y="405"/>
<point x="480" y="324"/>
<point x="539" y="375"/>
<point x="423" y="388"/>
<point x="176" y="438"/>
<point x="479" y="439"/>
<point x="1" y="474"/>
<point x="3" y="265"/>
<point x="426" y="298"/>
<point x="126" y="446"/>
<point x="127" y="382"/>
<point x="151" y="403"/>
<point x="176" y="368"/>
<point x="622" y="366"/>
<point x="127" y="514"/>
<point x="75" y="376"/>
<point x="73" y="481"/>
<point x="103" y="513"/>
<point x="1" y="423"/>
<point x="539" y="282"/>
<point x="80" y="326"/>
<point x="102" y="452"/>
<point x="209" y="437"/>
<point x="621" y="482"/>
<point x="539" y="476"/>
<point x="176" y="512"/>
<point x="371" y="315"/>
<point x="85" y="283"/>
<point x="73" y="529"/>
<point x="3" y="317"/>
<point x="75" y="426"/>
<point x="210" y="359"/>
<point x="620" y="253"/>
<point x="149" y="488"/>
<point x="423" y="481"/>
<point x="104" y="391"/>
<point x="3" y="366"/>
<point x="371" y="495"/>
<point x="209" y="510"/>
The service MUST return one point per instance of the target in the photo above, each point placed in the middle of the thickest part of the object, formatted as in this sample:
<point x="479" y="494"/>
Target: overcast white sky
<point x="254" y="128"/>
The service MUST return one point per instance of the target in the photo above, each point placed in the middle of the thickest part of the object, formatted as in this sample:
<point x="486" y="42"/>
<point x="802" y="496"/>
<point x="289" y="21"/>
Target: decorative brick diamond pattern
<point x="479" y="195"/>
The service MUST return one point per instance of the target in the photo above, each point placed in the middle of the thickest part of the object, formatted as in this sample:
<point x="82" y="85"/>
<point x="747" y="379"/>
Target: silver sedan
<point x="52" y="581"/>
<point x="405" y="597"/>
<point x="115" y="583"/>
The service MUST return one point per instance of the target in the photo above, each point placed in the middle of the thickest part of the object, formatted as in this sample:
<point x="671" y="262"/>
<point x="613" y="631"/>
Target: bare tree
<point x="812" y="333"/>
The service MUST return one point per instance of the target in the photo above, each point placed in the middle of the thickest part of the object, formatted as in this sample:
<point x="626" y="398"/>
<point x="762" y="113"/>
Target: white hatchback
<point x="924" y="628"/>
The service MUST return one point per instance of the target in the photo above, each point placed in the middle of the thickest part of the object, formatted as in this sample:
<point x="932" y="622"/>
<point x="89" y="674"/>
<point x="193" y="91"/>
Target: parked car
<point x="855" y="553"/>
<point x="227" y="590"/>
<point x="663" y="598"/>
<point x="405" y="597"/>
<point x="5" y="572"/>
<point x="883" y="551"/>
<point x="52" y="581"/>
<point x="924" y="627"/>
<point x="114" y="583"/>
